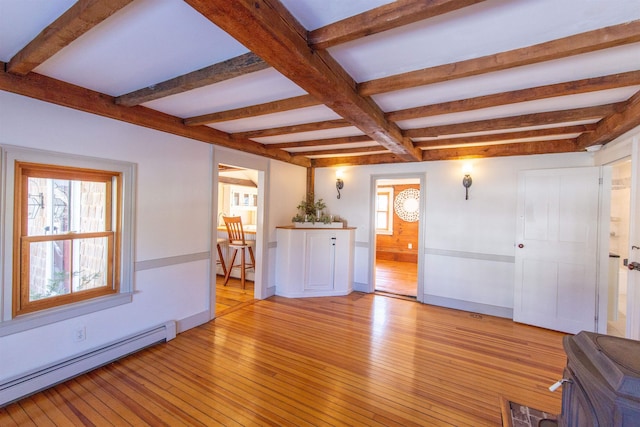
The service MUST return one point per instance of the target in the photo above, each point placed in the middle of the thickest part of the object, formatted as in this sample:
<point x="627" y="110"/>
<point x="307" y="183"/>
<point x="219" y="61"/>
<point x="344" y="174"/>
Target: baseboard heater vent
<point x="20" y="387"/>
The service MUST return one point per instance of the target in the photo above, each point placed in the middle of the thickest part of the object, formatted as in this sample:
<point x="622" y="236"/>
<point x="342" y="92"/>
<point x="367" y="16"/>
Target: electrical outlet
<point x="410" y="245"/>
<point x="80" y="334"/>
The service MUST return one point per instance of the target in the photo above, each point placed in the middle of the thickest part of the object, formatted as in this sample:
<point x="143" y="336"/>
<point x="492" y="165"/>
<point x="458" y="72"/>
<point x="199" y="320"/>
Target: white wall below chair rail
<point x="32" y="382"/>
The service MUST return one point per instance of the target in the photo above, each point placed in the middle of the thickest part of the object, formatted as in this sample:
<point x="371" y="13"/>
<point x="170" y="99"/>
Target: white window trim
<point x="389" y="230"/>
<point x="8" y="156"/>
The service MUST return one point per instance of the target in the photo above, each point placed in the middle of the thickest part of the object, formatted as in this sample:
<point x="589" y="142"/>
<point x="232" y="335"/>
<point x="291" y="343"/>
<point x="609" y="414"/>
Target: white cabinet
<point x="314" y="262"/>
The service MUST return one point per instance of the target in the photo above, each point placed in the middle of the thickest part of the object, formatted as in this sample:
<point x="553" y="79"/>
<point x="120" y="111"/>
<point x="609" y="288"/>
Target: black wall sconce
<point x="467" y="181"/>
<point x="339" y="182"/>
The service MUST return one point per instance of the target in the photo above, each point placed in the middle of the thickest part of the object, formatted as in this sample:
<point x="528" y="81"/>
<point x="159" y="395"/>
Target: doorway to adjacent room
<point x="397" y="226"/>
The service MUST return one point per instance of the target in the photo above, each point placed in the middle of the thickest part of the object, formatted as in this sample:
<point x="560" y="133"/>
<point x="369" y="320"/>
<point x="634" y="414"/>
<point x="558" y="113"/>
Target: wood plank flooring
<point x="397" y="277"/>
<point x="362" y="359"/>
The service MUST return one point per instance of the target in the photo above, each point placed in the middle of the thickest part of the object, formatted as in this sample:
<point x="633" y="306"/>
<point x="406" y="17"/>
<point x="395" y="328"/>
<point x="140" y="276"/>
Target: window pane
<point x="48" y="269"/>
<point x="381" y="220"/>
<point x="383" y="202"/>
<point x="58" y="206"/>
<point x="66" y="266"/>
<point x="90" y="263"/>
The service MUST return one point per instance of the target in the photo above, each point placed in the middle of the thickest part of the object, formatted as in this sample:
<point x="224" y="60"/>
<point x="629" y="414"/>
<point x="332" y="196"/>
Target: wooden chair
<point x="237" y="242"/>
<point x="220" y="260"/>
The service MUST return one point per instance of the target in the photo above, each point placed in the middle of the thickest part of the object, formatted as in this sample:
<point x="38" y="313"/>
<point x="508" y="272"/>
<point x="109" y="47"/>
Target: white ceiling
<point x="150" y="41"/>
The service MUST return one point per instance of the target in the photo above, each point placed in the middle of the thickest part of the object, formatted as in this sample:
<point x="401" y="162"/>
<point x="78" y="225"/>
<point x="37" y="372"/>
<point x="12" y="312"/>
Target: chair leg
<point x="222" y="263"/>
<point x="253" y="260"/>
<point x="243" y="268"/>
<point x="233" y="258"/>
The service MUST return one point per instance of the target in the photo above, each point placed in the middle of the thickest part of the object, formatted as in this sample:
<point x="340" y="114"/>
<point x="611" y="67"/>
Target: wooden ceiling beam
<point x="613" y="81"/>
<point x="236" y="181"/>
<point x="57" y="92"/>
<point x="614" y="125"/>
<point x="513" y="122"/>
<point x="591" y="41"/>
<point x="507" y="136"/>
<point x="286" y="130"/>
<point x="254" y="110"/>
<point x="373" y="159"/>
<point x="321" y="142"/>
<point x="268" y="29"/>
<point x="216" y="73"/>
<point x="383" y="18"/>
<point x="77" y="20"/>
<point x="338" y="151"/>
<point x="502" y="150"/>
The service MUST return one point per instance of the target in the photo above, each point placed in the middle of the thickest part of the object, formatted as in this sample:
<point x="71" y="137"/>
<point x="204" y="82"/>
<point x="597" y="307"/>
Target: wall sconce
<point x="339" y="182"/>
<point x="467" y="181"/>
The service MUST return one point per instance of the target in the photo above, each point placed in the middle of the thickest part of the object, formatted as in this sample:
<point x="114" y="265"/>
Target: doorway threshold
<point x="397" y="296"/>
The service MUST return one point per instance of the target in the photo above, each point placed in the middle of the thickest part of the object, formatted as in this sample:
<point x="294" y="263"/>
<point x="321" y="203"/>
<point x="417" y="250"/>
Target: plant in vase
<point x="311" y="211"/>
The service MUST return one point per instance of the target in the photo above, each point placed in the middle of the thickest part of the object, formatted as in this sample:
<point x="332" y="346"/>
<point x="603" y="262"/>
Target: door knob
<point x="521" y="246"/>
<point x="634" y="266"/>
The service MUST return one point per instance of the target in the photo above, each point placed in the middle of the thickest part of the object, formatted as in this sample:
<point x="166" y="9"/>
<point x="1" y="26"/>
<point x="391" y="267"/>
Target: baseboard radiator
<point x="32" y="382"/>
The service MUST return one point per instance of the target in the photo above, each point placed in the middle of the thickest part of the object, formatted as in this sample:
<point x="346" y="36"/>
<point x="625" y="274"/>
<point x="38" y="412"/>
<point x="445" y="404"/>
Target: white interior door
<point x="556" y="248"/>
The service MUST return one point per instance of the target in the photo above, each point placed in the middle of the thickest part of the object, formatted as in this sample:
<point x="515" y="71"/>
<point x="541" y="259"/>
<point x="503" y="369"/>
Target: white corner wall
<point x="172" y="226"/>
<point x="469" y="244"/>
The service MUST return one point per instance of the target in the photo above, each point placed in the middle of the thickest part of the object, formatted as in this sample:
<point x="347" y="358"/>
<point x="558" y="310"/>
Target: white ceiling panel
<point x="551" y="104"/>
<point x="313" y="14"/>
<point x="485" y="28"/>
<point x="142" y="45"/>
<point x="308" y="136"/>
<point x="22" y="20"/>
<point x="335" y="146"/>
<point x="595" y="64"/>
<point x="516" y="129"/>
<point x="250" y="89"/>
<point x="315" y="114"/>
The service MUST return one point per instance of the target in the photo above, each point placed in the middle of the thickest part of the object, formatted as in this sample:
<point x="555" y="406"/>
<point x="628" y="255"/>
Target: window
<point x="384" y="210"/>
<point x="66" y="229"/>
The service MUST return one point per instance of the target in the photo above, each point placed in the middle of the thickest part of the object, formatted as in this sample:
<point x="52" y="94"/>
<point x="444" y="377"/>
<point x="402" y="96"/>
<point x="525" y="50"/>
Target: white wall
<point x="469" y="244"/>
<point x="173" y="219"/>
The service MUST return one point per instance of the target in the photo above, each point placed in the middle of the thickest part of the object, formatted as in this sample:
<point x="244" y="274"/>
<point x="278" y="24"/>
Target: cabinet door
<point x="320" y="251"/>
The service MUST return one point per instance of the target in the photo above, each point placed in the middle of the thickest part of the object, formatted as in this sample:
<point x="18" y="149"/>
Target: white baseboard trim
<point x="193" y="321"/>
<point x="474" y="307"/>
<point x="26" y="384"/>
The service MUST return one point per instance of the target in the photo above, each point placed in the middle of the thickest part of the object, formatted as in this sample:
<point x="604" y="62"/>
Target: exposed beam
<point x="373" y="159"/>
<point x="536" y="119"/>
<point x="236" y="181"/>
<point x="613" y="81"/>
<point x="337" y="151"/>
<point x="383" y="18"/>
<point x="502" y="150"/>
<point x="77" y="20"/>
<point x="225" y="70"/>
<point x="602" y="38"/>
<point x="254" y="110"/>
<point x="614" y="125"/>
<point x="321" y="142"/>
<point x="46" y="89"/>
<point x="286" y="130"/>
<point x="267" y="28"/>
<point x="507" y="136"/>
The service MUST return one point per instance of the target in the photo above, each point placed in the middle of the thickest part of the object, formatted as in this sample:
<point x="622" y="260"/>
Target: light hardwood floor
<point x="362" y="359"/>
<point x="396" y="277"/>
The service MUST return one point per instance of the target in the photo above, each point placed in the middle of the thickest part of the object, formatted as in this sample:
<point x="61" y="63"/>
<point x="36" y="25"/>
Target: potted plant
<point x="311" y="212"/>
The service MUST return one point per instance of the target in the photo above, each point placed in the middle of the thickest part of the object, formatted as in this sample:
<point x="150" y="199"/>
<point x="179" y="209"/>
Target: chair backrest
<point x="234" y="229"/>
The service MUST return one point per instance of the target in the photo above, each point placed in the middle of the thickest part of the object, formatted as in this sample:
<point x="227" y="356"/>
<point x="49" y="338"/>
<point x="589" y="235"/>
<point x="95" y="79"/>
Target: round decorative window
<point x="407" y="204"/>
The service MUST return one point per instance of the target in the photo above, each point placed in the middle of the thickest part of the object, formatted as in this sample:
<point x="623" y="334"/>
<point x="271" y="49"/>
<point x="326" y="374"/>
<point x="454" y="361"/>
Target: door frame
<point x="422" y="177"/>
<point x="261" y="165"/>
<point x="628" y="145"/>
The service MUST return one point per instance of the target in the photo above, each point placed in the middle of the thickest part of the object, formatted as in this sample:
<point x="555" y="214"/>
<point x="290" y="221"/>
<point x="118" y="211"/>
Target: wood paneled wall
<point x="395" y="247"/>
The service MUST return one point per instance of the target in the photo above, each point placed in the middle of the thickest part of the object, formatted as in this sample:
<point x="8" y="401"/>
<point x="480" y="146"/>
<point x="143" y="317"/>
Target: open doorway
<point x="397" y="226"/>
<point x="619" y="248"/>
<point x="237" y="196"/>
